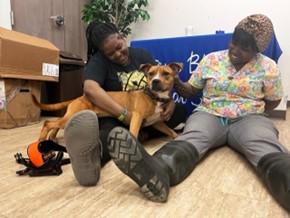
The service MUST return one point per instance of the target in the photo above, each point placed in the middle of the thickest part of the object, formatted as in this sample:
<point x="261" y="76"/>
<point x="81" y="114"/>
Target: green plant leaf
<point x="121" y="12"/>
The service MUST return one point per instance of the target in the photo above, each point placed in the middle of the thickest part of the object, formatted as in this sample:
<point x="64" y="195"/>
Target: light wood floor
<point x="223" y="185"/>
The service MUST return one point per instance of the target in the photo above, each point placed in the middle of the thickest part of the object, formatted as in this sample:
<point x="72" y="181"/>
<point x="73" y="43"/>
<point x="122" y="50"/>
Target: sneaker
<point x="81" y="136"/>
<point x="132" y="159"/>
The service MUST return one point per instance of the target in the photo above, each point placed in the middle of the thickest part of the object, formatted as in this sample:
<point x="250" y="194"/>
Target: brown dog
<point x="145" y="105"/>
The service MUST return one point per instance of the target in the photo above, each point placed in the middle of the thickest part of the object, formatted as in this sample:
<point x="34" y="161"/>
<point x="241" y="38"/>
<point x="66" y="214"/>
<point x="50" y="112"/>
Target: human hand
<point x="168" y="110"/>
<point x="177" y="80"/>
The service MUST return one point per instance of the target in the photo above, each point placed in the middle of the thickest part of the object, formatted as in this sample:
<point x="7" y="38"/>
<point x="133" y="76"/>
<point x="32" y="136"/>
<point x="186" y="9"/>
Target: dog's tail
<point x="50" y="107"/>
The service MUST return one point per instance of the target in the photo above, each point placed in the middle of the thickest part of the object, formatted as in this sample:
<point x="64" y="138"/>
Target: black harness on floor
<point x="44" y="159"/>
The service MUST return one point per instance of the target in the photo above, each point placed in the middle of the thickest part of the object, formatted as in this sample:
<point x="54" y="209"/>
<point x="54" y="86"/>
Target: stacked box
<point x="25" y="61"/>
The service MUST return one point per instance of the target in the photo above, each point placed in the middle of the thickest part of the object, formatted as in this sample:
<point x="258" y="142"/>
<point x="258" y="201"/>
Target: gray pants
<point x="253" y="135"/>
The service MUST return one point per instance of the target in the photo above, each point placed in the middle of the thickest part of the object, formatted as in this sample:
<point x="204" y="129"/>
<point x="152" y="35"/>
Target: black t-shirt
<point x="115" y="77"/>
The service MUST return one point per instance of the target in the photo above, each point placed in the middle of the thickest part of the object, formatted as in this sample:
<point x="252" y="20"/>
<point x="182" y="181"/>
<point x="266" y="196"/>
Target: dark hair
<point x="96" y="33"/>
<point x="244" y="40"/>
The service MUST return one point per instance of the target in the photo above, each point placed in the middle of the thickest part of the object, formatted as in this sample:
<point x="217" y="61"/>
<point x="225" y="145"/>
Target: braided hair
<point x="96" y="33"/>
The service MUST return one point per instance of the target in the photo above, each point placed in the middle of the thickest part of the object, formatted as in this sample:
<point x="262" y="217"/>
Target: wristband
<point x="123" y="115"/>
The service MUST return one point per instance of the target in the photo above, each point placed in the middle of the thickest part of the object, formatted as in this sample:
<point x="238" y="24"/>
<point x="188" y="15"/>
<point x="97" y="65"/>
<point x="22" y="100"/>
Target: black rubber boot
<point x="178" y="158"/>
<point x="275" y="171"/>
<point x="132" y="159"/>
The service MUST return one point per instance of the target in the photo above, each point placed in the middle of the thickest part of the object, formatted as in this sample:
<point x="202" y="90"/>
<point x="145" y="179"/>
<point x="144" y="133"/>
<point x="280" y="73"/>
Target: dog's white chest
<point x="156" y="117"/>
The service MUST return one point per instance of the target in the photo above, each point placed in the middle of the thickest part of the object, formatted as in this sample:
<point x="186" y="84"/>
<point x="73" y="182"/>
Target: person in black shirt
<point x="111" y="66"/>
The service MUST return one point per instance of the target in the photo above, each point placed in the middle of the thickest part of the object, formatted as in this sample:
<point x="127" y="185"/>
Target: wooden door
<point x="42" y="18"/>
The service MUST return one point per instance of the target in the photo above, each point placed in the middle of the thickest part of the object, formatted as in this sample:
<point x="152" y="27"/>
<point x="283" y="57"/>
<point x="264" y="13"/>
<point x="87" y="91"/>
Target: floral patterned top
<point x="229" y="93"/>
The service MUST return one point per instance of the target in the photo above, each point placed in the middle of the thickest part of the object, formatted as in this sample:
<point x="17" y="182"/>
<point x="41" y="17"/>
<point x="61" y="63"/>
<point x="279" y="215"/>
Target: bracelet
<point x="123" y="115"/>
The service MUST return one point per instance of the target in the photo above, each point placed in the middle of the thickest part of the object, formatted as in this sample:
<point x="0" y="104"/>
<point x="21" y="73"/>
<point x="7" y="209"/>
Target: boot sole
<point x="132" y="159"/>
<point x="82" y="142"/>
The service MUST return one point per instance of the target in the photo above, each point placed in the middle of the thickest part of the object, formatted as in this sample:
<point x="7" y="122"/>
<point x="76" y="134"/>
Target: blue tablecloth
<point x="189" y="50"/>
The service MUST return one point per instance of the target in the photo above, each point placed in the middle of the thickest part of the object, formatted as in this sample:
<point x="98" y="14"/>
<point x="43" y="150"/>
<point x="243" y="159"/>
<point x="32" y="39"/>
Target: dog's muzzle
<point x="156" y="85"/>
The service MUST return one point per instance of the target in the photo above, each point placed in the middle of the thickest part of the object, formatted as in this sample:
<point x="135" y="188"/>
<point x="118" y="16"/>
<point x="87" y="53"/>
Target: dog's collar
<point x="153" y="96"/>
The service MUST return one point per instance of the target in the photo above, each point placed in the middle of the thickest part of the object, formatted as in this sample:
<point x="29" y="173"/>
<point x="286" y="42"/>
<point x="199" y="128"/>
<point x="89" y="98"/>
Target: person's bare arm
<point x="98" y="96"/>
<point x="271" y="105"/>
<point x="184" y="88"/>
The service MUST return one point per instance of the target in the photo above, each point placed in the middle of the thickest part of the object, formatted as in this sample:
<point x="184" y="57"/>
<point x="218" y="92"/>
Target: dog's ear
<point x="145" y="67"/>
<point x="177" y="67"/>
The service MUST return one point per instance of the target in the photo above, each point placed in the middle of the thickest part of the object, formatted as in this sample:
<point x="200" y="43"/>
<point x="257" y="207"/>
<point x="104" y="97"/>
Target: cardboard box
<point x="25" y="61"/>
<point x="16" y="106"/>
<point x="26" y="57"/>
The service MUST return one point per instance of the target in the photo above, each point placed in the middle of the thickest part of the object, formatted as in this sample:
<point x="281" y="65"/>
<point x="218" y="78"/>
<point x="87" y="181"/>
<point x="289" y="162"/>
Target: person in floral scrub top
<point x="239" y="86"/>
